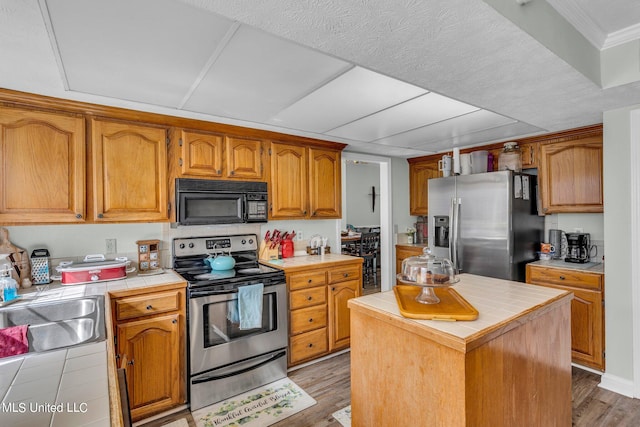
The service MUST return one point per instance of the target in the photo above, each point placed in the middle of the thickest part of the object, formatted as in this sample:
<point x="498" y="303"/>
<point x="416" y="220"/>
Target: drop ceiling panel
<point x="257" y="75"/>
<point x="357" y="93"/>
<point x="418" y="112"/>
<point x="453" y="128"/>
<point x="146" y="50"/>
<point x="501" y="133"/>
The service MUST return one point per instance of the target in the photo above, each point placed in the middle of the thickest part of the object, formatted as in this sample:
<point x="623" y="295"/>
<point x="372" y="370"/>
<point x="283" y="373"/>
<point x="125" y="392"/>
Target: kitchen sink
<point x="59" y="324"/>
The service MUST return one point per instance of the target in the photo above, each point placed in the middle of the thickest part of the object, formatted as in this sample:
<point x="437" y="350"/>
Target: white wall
<point x="360" y="177"/>
<point x="400" y="196"/>
<point x="618" y="241"/>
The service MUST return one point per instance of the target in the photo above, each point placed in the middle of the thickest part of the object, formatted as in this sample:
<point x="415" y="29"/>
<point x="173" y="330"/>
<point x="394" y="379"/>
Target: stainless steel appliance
<point x="578" y="247"/>
<point x="489" y="224"/>
<point x="202" y="201"/>
<point x="225" y="360"/>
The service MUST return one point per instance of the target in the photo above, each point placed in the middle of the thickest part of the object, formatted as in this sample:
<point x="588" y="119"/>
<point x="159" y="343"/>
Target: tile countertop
<point x="592" y="267"/>
<point x="500" y="304"/>
<point x="66" y="387"/>
<point x="310" y="261"/>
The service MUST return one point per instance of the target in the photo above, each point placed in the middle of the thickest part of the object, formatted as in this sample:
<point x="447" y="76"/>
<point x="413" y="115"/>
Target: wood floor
<point x="328" y="382"/>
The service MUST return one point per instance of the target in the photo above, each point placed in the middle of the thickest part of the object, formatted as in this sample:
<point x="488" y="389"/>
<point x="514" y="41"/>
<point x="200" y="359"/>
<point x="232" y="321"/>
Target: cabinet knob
<point x="311" y="320"/>
<point x="333" y="289"/>
<point x="233" y="172"/>
<point x="149" y="307"/>
<point x="219" y="172"/>
<point x="309" y="298"/>
<point x="314" y="213"/>
<point x="100" y="215"/>
<point x="304" y="212"/>
<point x="561" y="277"/>
<point x="79" y="216"/>
<point x="174" y="321"/>
<point x="130" y="362"/>
<point x="310" y="345"/>
<point x="310" y="280"/>
<point x="345" y="275"/>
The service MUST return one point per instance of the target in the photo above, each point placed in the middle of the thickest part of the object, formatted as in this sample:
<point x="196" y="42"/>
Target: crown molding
<point x="576" y="16"/>
<point x="622" y="36"/>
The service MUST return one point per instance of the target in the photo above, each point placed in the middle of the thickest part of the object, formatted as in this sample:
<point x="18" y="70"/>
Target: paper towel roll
<point x="456" y="161"/>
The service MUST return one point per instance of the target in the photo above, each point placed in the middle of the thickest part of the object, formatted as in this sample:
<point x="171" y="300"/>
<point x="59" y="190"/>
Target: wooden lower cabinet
<point x="587" y="310"/>
<point x="319" y="320"/>
<point x="150" y="332"/>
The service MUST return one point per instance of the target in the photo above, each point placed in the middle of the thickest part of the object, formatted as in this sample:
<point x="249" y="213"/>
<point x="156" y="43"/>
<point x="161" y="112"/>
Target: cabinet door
<point x="129" y="171"/>
<point x="339" y="319"/>
<point x="201" y="154"/>
<point x="325" y="185"/>
<point x="529" y="155"/>
<point x="244" y="158"/>
<point x="150" y="351"/>
<point x="289" y="189"/>
<point x="571" y="176"/>
<point x="419" y="174"/>
<point x="587" y="321"/>
<point x="42" y="178"/>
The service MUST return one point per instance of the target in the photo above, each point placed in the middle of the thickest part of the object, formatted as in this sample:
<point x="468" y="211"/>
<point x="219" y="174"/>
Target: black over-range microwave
<point x="203" y="202"/>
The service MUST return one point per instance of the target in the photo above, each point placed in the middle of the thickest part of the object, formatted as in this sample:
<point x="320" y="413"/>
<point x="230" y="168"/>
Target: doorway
<point x="383" y="202"/>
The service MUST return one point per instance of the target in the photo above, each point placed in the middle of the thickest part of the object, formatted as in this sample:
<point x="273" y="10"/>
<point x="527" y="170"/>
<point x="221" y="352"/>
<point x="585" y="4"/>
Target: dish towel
<point x="13" y="341"/>
<point x="250" y="306"/>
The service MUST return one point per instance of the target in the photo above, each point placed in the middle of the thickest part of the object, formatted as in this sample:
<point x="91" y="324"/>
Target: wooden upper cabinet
<point x="244" y="158"/>
<point x="529" y="155"/>
<point x="570" y="176"/>
<point x="289" y="188"/>
<point x="325" y="183"/>
<point x="200" y="154"/>
<point x="42" y="178"/>
<point x="305" y="182"/>
<point x="128" y="171"/>
<point x="419" y="174"/>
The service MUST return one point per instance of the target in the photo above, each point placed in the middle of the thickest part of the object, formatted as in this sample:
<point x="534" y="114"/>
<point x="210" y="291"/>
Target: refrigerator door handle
<point x="452" y="212"/>
<point x="456" y="231"/>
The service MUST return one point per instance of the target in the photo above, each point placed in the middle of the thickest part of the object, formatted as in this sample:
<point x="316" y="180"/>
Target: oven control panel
<point x="189" y="246"/>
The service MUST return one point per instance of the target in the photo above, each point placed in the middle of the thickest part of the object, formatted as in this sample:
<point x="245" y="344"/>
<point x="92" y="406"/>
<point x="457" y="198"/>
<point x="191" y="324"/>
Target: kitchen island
<point x="510" y="366"/>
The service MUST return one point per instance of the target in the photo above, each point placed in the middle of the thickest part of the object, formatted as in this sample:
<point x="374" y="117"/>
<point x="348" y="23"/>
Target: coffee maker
<point x="578" y="247"/>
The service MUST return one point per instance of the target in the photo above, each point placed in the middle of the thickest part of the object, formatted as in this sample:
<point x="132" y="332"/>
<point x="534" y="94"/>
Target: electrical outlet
<point x="299" y="235"/>
<point x="111" y="246"/>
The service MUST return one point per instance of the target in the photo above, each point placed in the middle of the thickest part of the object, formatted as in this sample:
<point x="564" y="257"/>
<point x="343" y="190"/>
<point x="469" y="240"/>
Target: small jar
<point x="510" y="158"/>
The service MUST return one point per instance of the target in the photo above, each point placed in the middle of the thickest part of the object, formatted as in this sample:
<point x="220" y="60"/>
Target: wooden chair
<point x="368" y="249"/>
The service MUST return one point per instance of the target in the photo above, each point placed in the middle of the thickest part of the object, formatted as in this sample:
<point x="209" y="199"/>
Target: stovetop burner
<point x="190" y="255"/>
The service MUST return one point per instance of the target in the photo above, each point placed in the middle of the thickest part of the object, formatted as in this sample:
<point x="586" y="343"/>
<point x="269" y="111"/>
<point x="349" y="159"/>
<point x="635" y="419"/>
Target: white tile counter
<point x="67" y="387"/>
<point x="498" y="302"/>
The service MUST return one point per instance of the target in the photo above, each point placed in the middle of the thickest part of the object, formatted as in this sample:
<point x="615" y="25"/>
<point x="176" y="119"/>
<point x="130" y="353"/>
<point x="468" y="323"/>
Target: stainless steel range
<point x="224" y="359"/>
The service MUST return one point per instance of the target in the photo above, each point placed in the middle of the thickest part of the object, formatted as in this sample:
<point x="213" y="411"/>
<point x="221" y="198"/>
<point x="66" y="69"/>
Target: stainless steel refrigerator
<point x="486" y="223"/>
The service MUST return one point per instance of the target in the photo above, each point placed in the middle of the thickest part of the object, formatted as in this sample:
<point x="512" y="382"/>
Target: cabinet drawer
<point x="306" y="280"/>
<point x="308" y="319"/>
<point x="308" y="345"/>
<point x="147" y="304"/>
<point x="344" y="273"/>
<point x="557" y="276"/>
<point x="307" y="297"/>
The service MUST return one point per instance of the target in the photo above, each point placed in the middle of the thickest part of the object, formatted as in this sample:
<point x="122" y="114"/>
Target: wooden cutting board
<point x="451" y="306"/>
<point x="18" y="257"/>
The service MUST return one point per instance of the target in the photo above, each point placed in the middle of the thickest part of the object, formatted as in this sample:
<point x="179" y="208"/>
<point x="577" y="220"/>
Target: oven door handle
<point x="203" y="378"/>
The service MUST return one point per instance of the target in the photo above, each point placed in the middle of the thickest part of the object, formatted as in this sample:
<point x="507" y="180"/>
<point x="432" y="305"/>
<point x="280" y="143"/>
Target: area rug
<point x="343" y="416"/>
<point x="259" y="407"/>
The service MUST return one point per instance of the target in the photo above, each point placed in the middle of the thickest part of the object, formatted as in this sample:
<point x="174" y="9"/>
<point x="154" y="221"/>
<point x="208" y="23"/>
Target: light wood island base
<point x="504" y="369"/>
